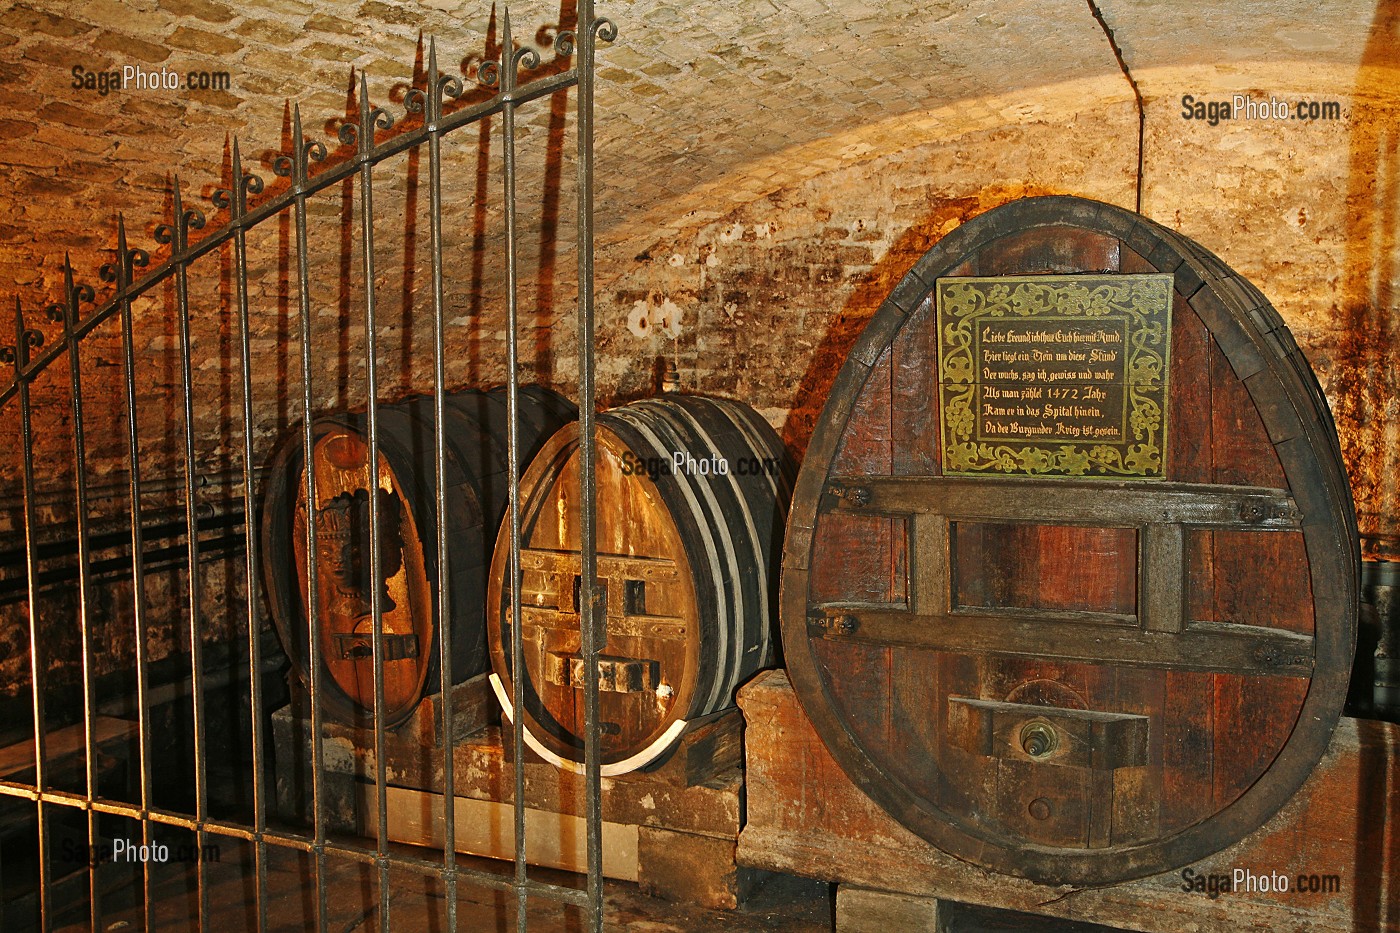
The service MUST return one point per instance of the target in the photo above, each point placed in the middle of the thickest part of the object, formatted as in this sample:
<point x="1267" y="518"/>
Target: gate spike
<point x="177" y="203"/>
<point x="366" y="123"/>
<point x="14" y="354"/>
<point x="121" y="267"/>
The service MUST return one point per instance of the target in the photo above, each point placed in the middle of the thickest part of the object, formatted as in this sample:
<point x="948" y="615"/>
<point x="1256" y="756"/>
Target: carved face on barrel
<point x="345" y="585"/>
<point x="343" y="549"/>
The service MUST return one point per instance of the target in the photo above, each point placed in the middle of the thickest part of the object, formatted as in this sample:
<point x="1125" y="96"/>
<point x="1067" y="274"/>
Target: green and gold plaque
<point x="1054" y="375"/>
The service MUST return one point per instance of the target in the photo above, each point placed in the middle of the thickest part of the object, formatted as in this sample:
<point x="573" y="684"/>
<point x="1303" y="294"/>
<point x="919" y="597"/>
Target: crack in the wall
<point x="1137" y="92"/>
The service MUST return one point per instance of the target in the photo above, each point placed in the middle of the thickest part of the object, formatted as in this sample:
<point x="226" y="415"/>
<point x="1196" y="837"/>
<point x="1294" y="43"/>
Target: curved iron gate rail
<point x="30" y="359"/>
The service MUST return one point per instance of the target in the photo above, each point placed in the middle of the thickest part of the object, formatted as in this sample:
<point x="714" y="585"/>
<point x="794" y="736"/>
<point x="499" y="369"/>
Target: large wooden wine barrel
<point x="475" y="468"/>
<point x="692" y="495"/>
<point x="1070" y="580"/>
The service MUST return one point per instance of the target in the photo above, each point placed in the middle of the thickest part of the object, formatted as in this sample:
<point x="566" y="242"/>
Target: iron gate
<point x="440" y="105"/>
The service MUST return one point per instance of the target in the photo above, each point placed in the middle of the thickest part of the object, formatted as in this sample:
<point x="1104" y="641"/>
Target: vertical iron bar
<point x="302" y="151"/>
<point x="594" y="636"/>
<point x="506" y="76"/>
<point x="31" y="565"/>
<point x="120" y="272"/>
<point x="67" y="314"/>
<point x="201" y="787"/>
<point x="238" y="206"/>
<point x="369" y="117"/>
<point x="437" y="86"/>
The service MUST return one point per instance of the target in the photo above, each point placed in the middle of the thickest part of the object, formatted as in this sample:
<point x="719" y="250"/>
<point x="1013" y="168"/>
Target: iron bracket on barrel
<point x="1049" y="735"/>
<point x="359" y="646"/>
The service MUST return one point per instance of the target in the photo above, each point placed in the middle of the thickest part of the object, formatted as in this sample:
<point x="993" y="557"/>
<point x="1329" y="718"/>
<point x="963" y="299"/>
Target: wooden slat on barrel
<point x="1187" y="697"/>
<point x="853" y="561"/>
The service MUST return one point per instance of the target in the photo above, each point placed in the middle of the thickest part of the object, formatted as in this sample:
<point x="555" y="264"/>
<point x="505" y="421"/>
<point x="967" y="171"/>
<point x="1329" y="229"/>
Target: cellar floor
<point x="417" y="903"/>
<point x="782" y="904"/>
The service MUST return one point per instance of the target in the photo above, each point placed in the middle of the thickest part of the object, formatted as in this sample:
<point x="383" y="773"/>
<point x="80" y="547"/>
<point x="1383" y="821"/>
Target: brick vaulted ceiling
<point x="769" y="162"/>
<point x="701" y="105"/>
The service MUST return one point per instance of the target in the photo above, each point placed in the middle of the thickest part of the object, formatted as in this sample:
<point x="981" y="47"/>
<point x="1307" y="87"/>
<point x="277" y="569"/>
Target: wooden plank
<point x="664" y="628"/>
<point x="1252" y="718"/>
<point x="474" y="708"/>
<point x="67" y="742"/>
<point x="1163" y="578"/>
<point x="1064" y="501"/>
<point x="651" y="569"/>
<point x="1188" y="724"/>
<point x="1053" y="567"/>
<point x="1203" y="646"/>
<point x="866" y="910"/>
<point x="1051" y="248"/>
<point x="484" y="827"/>
<point x="692" y="869"/>
<point x="929" y="565"/>
<point x="712" y="746"/>
<point x="1078" y="568"/>
<point x="914" y="427"/>
<point x="1136" y="792"/>
<point x="917" y="717"/>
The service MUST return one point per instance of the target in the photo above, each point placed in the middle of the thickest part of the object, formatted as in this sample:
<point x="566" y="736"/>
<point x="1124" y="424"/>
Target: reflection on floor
<point x="417" y="903"/>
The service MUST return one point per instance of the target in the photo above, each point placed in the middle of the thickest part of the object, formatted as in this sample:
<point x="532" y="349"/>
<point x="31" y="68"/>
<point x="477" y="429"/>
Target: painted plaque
<point x="1054" y="375"/>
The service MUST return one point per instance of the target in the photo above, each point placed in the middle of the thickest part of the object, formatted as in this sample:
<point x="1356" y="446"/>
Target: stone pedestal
<point x="673" y="829"/>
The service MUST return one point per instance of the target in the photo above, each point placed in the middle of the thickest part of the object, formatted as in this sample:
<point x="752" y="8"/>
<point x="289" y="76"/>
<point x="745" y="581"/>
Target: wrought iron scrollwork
<point x="135" y="258"/>
<point x="309" y="150"/>
<point x="488" y="73"/>
<point x="315" y="152"/>
<point x="376" y="118"/>
<point x="189" y="218"/>
<point x="26" y="338"/>
<point x="525" y="58"/>
<point x="448" y="87"/>
<point x="566" y="40"/>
